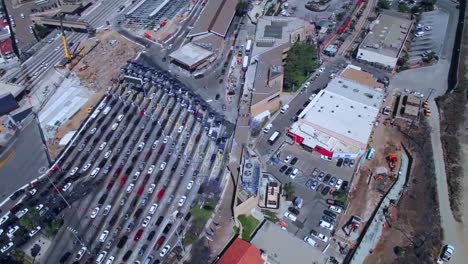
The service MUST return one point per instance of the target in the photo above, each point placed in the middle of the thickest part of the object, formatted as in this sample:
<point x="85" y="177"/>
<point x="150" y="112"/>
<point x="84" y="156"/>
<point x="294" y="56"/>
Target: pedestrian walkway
<point x="374" y="232"/>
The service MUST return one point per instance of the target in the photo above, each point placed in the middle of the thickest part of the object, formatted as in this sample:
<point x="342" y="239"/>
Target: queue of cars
<point x="111" y="160"/>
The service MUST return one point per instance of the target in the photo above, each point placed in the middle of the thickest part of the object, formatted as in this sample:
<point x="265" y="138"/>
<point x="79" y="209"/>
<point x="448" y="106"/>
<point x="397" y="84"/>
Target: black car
<point x="328" y="219"/>
<point x="344" y="186"/>
<point x="187" y="216"/>
<point x="289" y="170"/>
<point x="329" y="213"/>
<point x="65" y="257"/>
<point x="325" y="190"/>
<point x="299" y="111"/>
<point x="306" y="103"/>
<point x="17" y="194"/>
<point x="159" y="221"/>
<point x="321" y="175"/>
<point x="293" y="210"/>
<point x="294" y="161"/>
<point x="142" y="249"/>
<point x="314" y="233"/>
<point x="282" y="169"/>
<point x="346" y="162"/>
<point x="308" y="183"/>
<point x="167" y="228"/>
<point x="327" y="178"/>
<point x="127" y="255"/>
<point x="339" y="163"/>
<point x="151" y="235"/>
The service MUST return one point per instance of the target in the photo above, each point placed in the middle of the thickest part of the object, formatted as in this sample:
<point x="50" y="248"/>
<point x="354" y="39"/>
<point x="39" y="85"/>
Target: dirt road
<point x="455" y="233"/>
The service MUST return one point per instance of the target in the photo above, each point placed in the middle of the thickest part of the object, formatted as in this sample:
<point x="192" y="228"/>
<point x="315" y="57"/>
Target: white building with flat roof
<point x="339" y="119"/>
<point x="385" y="41"/>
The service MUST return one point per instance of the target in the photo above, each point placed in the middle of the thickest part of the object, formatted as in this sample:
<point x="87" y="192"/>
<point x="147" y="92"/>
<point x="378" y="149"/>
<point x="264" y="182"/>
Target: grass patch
<point x="235" y="229"/>
<point x="270" y="216"/>
<point x="249" y="223"/>
<point x="201" y="216"/>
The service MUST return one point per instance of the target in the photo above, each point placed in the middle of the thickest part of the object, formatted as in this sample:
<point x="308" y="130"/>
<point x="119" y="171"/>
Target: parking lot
<point x="434" y="25"/>
<point x="142" y="159"/>
<point x="144" y="16"/>
<point x="315" y="181"/>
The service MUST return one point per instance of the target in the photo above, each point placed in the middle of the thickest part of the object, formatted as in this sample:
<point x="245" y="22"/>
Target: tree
<point x="403" y="8"/>
<point x="383" y="4"/>
<point x="288" y="191"/>
<point x="340" y="16"/>
<point x="35" y="251"/>
<point x="427" y="5"/>
<point x="300" y="63"/>
<point x="255" y="128"/>
<point x="241" y="8"/>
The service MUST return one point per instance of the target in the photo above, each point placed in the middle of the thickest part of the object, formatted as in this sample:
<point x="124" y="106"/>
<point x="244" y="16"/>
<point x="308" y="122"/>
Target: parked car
<point x="339" y="163"/>
<point x="283" y="168"/>
<point x="325" y="190"/>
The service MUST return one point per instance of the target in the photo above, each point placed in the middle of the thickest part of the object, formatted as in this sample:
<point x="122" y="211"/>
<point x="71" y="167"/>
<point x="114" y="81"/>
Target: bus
<point x="370" y="154"/>
<point x="41" y="2"/>
<point x="274" y="137"/>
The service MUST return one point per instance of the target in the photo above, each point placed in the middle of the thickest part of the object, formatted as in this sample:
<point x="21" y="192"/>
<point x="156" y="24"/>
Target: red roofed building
<point x="241" y="252"/>
<point x="6" y="47"/>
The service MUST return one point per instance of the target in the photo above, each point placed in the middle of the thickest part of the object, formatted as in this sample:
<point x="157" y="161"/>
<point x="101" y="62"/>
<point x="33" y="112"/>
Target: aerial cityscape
<point x="233" y="131"/>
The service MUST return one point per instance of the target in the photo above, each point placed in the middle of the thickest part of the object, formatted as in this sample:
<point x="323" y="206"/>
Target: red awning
<point x="323" y="151"/>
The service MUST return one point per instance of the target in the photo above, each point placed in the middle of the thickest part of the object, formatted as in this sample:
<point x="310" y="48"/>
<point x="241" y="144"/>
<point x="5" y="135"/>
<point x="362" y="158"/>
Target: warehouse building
<point x="385" y="41"/>
<point x="340" y="119"/>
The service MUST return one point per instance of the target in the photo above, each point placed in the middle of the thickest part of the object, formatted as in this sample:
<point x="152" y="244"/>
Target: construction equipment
<point x="392" y="160"/>
<point x="66" y="47"/>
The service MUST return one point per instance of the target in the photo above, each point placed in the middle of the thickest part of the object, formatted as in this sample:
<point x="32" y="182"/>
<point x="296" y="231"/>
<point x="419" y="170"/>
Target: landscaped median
<point x="199" y="218"/>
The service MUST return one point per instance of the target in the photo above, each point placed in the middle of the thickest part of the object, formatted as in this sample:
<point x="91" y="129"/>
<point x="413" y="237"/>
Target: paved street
<point x="25" y="158"/>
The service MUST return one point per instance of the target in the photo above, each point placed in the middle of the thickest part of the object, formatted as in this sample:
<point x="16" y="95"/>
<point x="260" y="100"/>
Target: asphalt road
<point x="28" y="156"/>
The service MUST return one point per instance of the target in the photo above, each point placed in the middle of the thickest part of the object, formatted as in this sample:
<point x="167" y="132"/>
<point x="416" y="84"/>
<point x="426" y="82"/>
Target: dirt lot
<point x="367" y="187"/>
<point x="413" y="233"/>
<point x="102" y="64"/>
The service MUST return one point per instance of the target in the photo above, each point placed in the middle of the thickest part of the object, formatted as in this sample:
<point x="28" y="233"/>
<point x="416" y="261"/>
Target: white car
<point x="287" y="159"/>
<point x="419" y="34"/>
<point x="107" y="154"/>
<point x="326" y="225"/>
<point x="39" y="207"/>
<point x="182" y="200"/>
<point x="103" y="145"/>
<point x="6" y="247"/>
<point x="86" y="167"/>
<point x="151" y="169"/>
<point x="4" y="219"/>
<point x="21" y="213"/>
<point x="94" y="212"/>
<point x="101" y="257"/>
<point x="95" y="172"/>
<point x="106" y="209"/>
<point x="189" y="185"/>
<point x="103" y="236"/>
<point x="427" y="28"/>
<point x="81" y="253"/>
<point x="155" y="144"/>
<point x="146" y="221"/>
<point x="34" y="231"/>
<point x="325" y="157"/>
<point x="11" y="231"/>
<point x="338" y="183"/>
<point x="140" y="146"/>
<point x="120" y="117"/>
<point x="322" y="237"/>
<point x="32" y="191"/>
<point x="166" y="139"/>
<point x="151" y="188"/>
<point x="130" y="188"/>
<point x="73" y="171"/>
<point x="322" y="69"/>
<point x="153" y="208"/>
<point x="110" y="260"/>
<point x="335" y="209"/>
<point x="93" y="131"/>
<point x="291" y="216"/>
<point x="181" y="128"/>
<point x="164" y="250"/>
<point x="162" y="166"/>
<point x="66" y="187"/>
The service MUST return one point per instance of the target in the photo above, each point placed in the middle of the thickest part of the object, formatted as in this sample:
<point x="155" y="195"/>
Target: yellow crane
<point x="66" y="47"/>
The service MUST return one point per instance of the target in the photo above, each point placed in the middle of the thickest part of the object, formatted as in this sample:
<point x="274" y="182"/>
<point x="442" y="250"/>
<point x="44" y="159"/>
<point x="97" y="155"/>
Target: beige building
<point x="264" y="77"/>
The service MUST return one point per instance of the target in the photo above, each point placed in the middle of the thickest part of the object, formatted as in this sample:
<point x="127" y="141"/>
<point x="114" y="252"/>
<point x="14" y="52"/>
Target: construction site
<point x="93" y="67"/>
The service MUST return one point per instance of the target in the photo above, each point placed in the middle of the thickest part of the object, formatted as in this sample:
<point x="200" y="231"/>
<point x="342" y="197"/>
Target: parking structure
<point x="118" y="164"/>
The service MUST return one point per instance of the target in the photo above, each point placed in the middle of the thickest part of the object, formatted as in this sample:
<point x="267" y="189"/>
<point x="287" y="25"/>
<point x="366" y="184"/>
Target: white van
<point x="290" y="216"/>
<point x="326" y="225"/>
<point x="267" y="128"/>
<point x="284" y="108"/>
<point x="310" y="241"/>
<point x="294" y="173"/>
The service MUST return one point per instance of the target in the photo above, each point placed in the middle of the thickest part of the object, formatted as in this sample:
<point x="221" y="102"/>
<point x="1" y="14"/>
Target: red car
<point x="159" y="243"/>
<point x="123" y="180"/>
<point x="160" y="194"/>
<point x="138" y="235"/>
<point x="141" y="190"/>
<point x="109" y="186"/>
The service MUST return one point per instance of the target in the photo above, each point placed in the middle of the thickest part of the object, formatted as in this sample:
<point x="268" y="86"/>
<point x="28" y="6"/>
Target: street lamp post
<point x="58" y="191"/>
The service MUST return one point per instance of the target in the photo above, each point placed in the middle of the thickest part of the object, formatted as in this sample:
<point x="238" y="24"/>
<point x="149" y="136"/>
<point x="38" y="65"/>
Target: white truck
<point x="284" y="109"/>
